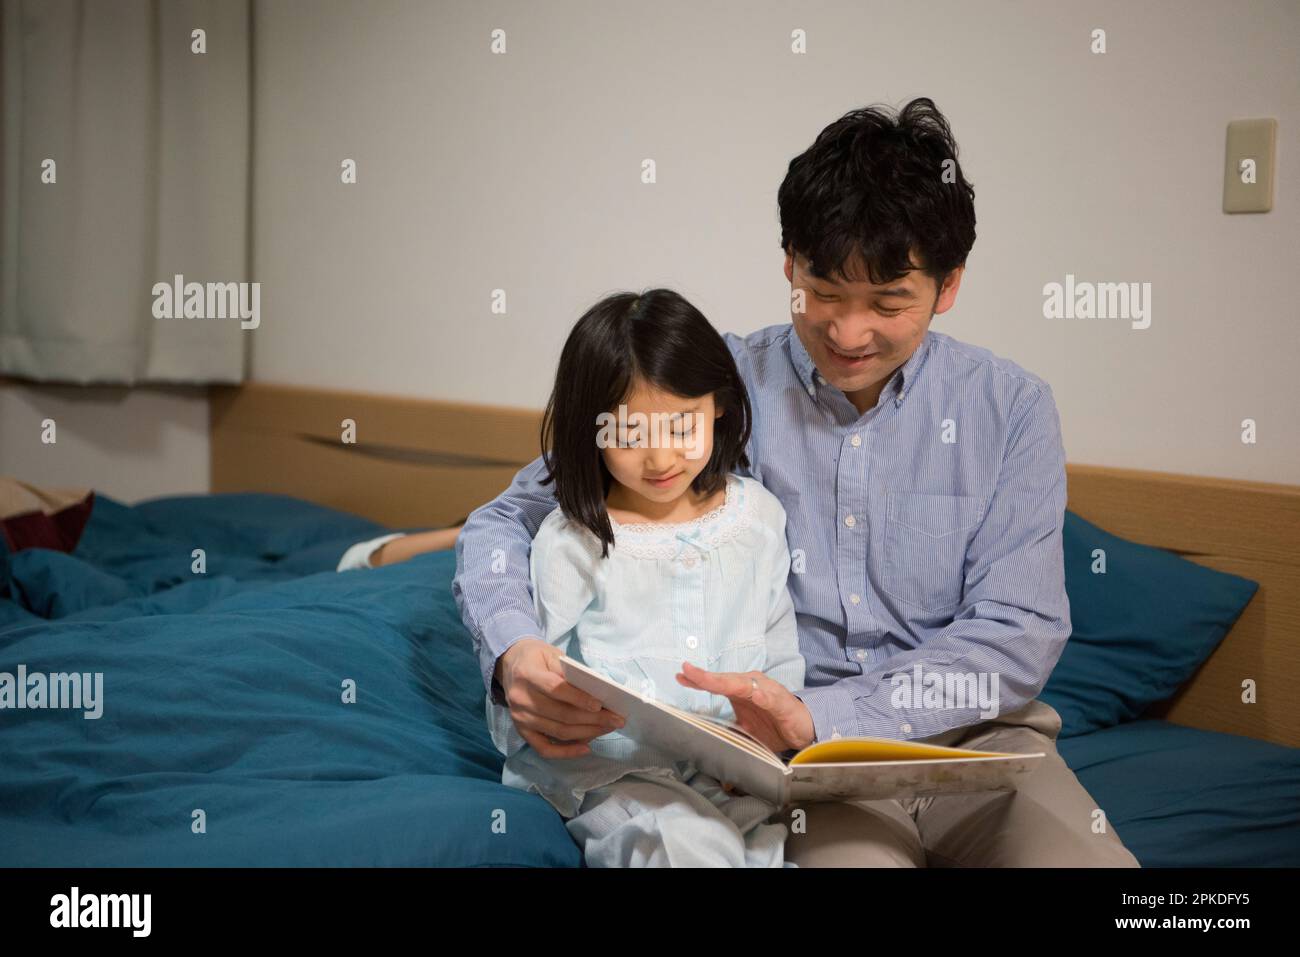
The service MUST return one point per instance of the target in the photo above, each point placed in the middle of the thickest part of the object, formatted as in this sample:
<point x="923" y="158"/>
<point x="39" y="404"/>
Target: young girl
<point x="658" y="554"/>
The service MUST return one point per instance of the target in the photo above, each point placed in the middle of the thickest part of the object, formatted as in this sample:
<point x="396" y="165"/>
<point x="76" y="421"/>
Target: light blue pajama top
<point x="711" y="591"/>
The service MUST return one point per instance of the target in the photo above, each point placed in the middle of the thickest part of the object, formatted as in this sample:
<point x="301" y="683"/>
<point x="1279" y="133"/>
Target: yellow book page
<point x="845" y="750"/>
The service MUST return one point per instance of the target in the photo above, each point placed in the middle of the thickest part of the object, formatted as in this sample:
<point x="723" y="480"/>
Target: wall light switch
<point x="1248" y="168"/>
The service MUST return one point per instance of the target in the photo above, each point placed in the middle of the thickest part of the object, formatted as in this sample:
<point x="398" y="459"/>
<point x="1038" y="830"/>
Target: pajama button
<point x="692" y="642"/>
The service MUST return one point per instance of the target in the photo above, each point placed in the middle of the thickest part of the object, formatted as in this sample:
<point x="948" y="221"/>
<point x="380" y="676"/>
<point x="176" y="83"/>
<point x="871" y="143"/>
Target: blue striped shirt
<point x="924" y="532"/>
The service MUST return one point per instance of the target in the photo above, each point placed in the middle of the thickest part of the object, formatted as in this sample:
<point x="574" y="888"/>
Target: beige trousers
<point x="1049" y="821"/>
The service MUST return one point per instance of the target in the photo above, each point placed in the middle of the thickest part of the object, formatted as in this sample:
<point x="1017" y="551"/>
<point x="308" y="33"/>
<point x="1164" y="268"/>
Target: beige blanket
<point x="19" y="498"/>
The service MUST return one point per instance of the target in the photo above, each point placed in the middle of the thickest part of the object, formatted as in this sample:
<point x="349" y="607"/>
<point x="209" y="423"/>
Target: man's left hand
<point x="764" y="708"/>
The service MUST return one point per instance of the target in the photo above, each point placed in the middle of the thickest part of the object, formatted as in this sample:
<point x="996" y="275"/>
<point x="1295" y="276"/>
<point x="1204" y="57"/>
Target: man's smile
<point x="855" y="360"/>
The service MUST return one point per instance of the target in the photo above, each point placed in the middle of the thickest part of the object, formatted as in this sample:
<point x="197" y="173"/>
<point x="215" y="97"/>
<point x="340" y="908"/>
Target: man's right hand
<point x="555" y="717"/>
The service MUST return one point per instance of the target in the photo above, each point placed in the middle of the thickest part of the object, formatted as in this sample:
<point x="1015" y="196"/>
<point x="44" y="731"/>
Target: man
<point x="924" y="487"/>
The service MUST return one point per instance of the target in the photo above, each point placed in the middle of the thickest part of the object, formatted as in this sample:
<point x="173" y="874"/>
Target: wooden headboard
<point x="414" y="462"/>
<point x="1250" y="529"/>
<point x="427" y="463"/>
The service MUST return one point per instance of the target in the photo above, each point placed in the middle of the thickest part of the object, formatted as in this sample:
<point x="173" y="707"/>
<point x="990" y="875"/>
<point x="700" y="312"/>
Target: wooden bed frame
<point x="427" y="463"/>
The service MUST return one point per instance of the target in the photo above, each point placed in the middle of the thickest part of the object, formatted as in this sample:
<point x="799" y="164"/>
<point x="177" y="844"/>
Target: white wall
<point x="521" y="172"/>
<point x="130" y="444"/>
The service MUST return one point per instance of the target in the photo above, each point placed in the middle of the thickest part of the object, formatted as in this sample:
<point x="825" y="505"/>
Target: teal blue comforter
<point x="225" y="738"/>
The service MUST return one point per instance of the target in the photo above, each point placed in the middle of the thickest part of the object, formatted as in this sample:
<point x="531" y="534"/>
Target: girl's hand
<point x="764" y="708"/>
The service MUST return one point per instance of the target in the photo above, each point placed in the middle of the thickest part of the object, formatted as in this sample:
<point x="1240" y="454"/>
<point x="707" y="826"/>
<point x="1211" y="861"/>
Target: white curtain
<point x="151" y="146"/>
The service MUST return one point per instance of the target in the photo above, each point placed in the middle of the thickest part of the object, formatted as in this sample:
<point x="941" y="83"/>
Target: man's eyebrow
<point x="902" y="292"/>
<point x="894" y="292"/>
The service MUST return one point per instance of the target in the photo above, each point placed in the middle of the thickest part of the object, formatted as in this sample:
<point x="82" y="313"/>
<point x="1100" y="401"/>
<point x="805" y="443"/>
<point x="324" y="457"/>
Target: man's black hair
<point x="874" y="184"/>
<point x="655" y="338"/>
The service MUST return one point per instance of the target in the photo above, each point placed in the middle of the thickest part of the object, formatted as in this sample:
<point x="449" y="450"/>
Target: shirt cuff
<point x="832" y="711"/>
<point x="499" y="634"/>
<point x="837" y="712"/>
<point x="358" y="556"/>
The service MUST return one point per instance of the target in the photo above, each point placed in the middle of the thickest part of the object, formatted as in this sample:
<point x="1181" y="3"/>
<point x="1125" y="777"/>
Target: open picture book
<point x="839" y="769"/>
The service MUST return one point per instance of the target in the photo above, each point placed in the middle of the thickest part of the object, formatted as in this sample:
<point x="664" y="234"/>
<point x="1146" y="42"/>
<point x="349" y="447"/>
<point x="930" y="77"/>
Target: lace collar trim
<point x="686" y="541"/>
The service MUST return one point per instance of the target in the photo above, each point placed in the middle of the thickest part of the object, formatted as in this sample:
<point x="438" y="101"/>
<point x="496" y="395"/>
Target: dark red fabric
<point x="60" y="531"/>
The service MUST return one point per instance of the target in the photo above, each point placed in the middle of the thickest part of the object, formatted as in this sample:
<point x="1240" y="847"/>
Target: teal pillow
<point x="1141" y="628"/>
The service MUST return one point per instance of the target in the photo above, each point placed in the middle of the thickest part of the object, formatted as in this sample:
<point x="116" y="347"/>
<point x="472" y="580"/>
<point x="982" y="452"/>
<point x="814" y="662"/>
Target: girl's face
<point x="657" y="442"/>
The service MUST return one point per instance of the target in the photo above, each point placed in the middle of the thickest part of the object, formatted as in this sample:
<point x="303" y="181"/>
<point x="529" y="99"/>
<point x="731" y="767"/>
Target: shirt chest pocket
<point x="925" y="548"/>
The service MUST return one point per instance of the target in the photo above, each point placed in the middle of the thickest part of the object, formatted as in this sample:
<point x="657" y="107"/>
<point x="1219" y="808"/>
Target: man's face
<point x="880" y="326"/>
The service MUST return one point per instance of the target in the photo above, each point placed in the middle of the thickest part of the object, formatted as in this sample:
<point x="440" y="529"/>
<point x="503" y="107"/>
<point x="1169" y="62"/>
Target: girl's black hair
<point x="655" y="337"/>
<point x="876" y="184"/>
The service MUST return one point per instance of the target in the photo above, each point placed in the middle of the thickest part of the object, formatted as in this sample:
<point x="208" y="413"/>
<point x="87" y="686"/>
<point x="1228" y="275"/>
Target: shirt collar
<point x="803" y="364"/>
<point x="899" y="384"/>
<point x="905" y="378"/>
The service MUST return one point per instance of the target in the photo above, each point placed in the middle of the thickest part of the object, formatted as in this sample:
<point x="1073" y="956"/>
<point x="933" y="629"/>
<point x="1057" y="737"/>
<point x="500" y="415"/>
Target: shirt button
<point x="688" y="560"/>
<point x="821" y="380"/>
<point x="862" y="654"/>
<point x="692" y="642"/>
<point x="905" y="728"/>
<point x="812" y="391"/>
<point x="835" y="734"/>
<point x="850" y="521"/>
<point x="855" y="598"/>
<point x="855" y="441"/>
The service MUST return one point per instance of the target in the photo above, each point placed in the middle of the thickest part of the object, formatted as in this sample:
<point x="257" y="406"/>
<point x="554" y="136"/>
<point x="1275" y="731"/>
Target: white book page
<point x="714" y="748"/>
